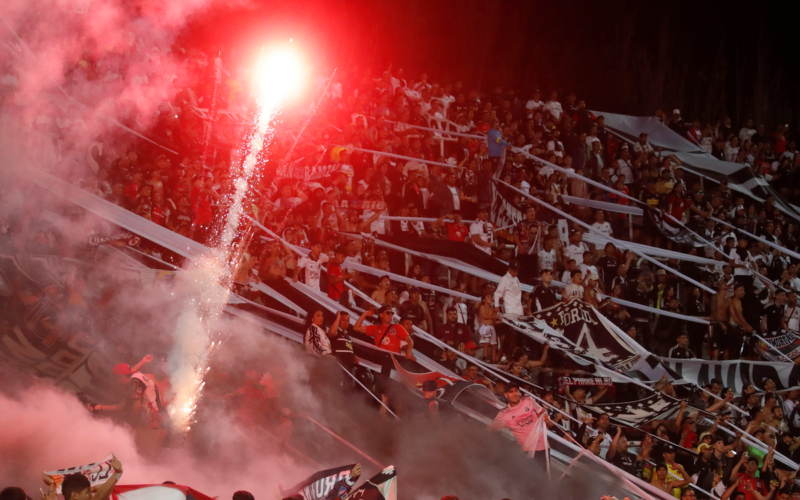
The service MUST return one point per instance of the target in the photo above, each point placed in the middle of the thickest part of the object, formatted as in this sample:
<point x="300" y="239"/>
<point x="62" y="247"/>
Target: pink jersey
<point x="520" y="421"/>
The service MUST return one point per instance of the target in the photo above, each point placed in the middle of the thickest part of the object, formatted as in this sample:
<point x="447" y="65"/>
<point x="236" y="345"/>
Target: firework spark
<point x="209" y="278"/>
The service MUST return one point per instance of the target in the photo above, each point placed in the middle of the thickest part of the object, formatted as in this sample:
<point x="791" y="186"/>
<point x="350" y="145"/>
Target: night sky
<point x="707" y="58"/>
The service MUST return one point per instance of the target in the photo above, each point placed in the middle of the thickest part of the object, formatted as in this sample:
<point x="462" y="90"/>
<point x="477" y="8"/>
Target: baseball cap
<point x="668" y="448"/>
<point x="661" y="272"/>
<point x="122" y="369"/>
<point x="514" y="264"/>
<point x="470" y="345"/>
<point x="383" y="309"/>
<point x="676" y="111"/>
<point x="594" y="276"/>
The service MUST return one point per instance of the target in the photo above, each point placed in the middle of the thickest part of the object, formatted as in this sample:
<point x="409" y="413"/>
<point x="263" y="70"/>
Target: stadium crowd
<point x="336" y="176"/>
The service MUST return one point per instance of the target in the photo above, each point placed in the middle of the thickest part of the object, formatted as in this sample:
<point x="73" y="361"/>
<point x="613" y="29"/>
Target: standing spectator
<point x="341" y="343"/>
<point x="575" y="289"/>
<point x="315" y="339"/>
<point x="543" y="296"/>
<point x="487" y="317"/>
<point x="482" y="231"/>
<point x="446" y="197"/>
<point x="519" y="417"/>
<point x="553" y="107"/>
<point x="77" y="486"/>
<point x="681" y="350"/>
<point x="312" y="264"/>
<point x="453" y="332"/>
<point x="496" y="142"/>
<point x="510" y="291"/>
<point x="417" y="311"/>
<point x="387" y="334"/>
<point x="337" y="277"/>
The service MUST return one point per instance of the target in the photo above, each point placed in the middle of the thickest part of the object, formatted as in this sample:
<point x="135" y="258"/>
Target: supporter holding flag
<point x="520" y="417"/>
<point x="78" y="486"/>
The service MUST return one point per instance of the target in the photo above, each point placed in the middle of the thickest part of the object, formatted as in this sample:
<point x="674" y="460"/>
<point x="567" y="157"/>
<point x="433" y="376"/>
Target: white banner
<point x="98" y="472"/>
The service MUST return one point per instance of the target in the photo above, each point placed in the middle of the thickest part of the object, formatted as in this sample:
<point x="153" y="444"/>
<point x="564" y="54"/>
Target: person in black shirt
<point x="619" y="457"/>
<point x="341" y="344"/>
<point x="681" y="351"/>
<point x="415" y="310"/>
<point x="544" y="295"/>
<point x="772" y="320"/>
<point x="607" y="265"/>
<point x="696" y="306"/>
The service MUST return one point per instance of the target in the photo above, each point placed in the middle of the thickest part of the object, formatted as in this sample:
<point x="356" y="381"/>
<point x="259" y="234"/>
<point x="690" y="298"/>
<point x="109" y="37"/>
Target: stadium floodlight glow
<point x="280" y="75"/>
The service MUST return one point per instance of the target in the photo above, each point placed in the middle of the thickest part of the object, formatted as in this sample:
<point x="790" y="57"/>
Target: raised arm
<point x="365" y="224"/>
<point x="104" y="490"/>
<point x="138" y="366"/>
<point x="334" y="329"/>
<point x="366" y="314"/>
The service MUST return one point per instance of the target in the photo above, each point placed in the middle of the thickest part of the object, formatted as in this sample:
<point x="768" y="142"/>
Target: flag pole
<point x="368" y="391"/>
<point x="345" y="442"/>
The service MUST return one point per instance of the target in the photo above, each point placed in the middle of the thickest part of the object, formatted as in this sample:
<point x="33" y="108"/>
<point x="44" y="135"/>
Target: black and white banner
<point x="781" y="346"/>
<point x="637" y="413"/>
<point x="504" y="212"/>
<point x="674" y="232"/>
<point x="382" y="486"/>
<point x="325" y="484"/>
<point x="737" y="374"/>
<point x="588" y="333"/>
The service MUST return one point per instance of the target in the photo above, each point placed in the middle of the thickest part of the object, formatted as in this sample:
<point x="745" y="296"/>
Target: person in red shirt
<point x="337" y="277"/>
<point x="387" y="334"/>
<point x="676" y="204"/>
<point x="456" y="230"/>
<point x="132" y="189"/>
<point x="748" y="482"/>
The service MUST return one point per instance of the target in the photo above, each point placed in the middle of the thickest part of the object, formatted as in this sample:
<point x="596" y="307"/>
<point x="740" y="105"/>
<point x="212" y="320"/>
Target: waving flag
<point x="325" y="484"/>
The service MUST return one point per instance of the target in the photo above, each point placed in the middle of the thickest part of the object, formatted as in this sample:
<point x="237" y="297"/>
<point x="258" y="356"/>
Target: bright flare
<point x="209" y="278"/>
<point x="280" y="75"/>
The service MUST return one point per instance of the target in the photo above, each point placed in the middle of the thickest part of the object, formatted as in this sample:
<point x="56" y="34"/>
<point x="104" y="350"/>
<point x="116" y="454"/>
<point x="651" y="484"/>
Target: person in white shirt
<point x="601" y="225"/>
<point x="555" y="145"/>
<point x="534" y="104"/>
<point x="547" y="256"/>
<point x="554" y="107"/>
<point x="792" y="313"/>
<point x="738" y="260"/>
<point x="732" y="149"/>
<point x="575" y="289"/>
<point x="481" y="232"/>
<point x="587" y="266"/>
<point x="312" y="264"/>
<point x="747" y="132"/>
<point x="642" y="145"/>
<point x="510" y="291"/>
<point x="624" y="165"/>
<point x="575" y="249"/>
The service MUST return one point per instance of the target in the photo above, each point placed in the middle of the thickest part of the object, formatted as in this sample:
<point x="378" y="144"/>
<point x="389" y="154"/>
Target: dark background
<point x="707" y="58"/>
